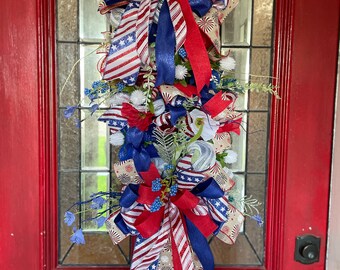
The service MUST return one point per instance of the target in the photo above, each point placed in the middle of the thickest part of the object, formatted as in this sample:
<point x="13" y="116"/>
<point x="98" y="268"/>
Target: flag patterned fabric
<point x="142" y="30"/>
<point x="218" y="208"/>
<point x="186" y="177"/>
<point x="180" y="238"/>
<point x="114" y="119"/>
<point x="147" y="251"/>
<point x="123" y="61"/>
<point x="131" y="214"/>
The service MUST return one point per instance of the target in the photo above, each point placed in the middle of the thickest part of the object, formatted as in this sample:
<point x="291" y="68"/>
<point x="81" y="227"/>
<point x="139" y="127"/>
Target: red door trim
<point x="305" y="61"/>
<point x="48" y="172"/>
<point x="48" y="201"/>
<point x="277" y="173"/>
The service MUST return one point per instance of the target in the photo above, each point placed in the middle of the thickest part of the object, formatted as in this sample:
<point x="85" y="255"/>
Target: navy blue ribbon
<point x="208" y="189"/>
<point x="134" y="136"/>
<point x="200" y="245"/>
<point x="129" y="196"/>
<point x="165" y="47"/>
<point x="200" y="7"/>
<point x="175" y="113"/>
<point x="121" y="224"/>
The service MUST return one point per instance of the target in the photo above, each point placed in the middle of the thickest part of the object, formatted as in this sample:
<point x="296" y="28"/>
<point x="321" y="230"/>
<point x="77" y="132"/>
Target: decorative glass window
<point x="86" y="158"/>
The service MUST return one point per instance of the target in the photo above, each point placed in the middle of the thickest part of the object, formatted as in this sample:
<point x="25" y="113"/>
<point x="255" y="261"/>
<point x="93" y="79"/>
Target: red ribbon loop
<point x="150" y="175"/>
<point x="217" y="104"/>
<point x="146" y="195"/>
<point x="186" y="202"/>
<point x="148" y="223"/>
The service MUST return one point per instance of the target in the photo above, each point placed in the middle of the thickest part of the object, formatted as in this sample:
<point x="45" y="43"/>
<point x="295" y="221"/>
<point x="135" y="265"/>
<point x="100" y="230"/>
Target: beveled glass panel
<point x="256" y="186"/>
<point x="69" y="143"/>
<point x="88" y="70"/>
<point x="262" y="22"/>
<point x="92" y="183"/>
<point x="99" y="250"/>
<point x="94" y="146"/>
<point x="91" y="22"/>
<point x="260" y="68"/>
<point x="67" y="20"/>
<point x="68" y="193"/>
<point x="239" y="145"/>
<point x="257" y="142"/>
<point x="242" y="57"/>
<point x="236" y="28"/>
<point x="68" y="54"/>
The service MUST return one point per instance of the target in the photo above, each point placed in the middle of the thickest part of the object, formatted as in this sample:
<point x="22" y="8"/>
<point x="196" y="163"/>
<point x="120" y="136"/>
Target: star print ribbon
<point x="114" y="119"/>
<point x="123" y="61"/>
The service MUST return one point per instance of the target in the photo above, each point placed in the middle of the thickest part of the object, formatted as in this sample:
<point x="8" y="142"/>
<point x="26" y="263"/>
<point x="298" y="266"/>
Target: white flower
<point x="119" y="99"/>
<point x="231" y="157"/>
<point x="181" y="72"/>
<point x="210" y="126"/>
<point x="227" y="63"/>
<point x="203" y="155"/>
<point x="117" y="138"/>
<point x="138" y="97"/>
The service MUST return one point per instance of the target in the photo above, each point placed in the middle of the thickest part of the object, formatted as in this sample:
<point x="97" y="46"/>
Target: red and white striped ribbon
<point x="122" y="61"/>
<point x="180" y="238"/>
<point x="148" y="251"/>
<point x="142" y="31"/>
<point x="178" y="22"/>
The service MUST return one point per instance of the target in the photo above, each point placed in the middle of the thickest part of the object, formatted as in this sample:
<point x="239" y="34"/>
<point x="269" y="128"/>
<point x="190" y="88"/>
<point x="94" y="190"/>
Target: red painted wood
<point x="27" y="143"/>
<point x="306" y="47"/>
<point x="19" y="143"/>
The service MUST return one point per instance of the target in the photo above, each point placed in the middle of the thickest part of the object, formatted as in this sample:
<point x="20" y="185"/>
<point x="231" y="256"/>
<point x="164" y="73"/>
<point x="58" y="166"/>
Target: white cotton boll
<point x="181" y="72"/>
<point x="137" y="97"/>
<point x="227" y="63"/>
<point x="119" y="99"/>
<point x="117" y="138"/>
<point x="231" y="157"/>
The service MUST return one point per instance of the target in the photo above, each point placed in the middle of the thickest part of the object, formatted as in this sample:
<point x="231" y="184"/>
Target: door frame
<point x="295" y="62"/>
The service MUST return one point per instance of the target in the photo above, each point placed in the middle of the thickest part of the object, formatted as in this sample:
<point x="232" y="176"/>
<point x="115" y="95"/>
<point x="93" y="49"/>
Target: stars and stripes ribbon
<point x="186" y="177"/>
<point x="114" y="119"/>
<point x="147" y="251"/>
<point x="123" y="61"/>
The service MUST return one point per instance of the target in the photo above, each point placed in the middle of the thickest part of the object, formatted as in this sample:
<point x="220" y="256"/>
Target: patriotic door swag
<point x="172" y="98"/>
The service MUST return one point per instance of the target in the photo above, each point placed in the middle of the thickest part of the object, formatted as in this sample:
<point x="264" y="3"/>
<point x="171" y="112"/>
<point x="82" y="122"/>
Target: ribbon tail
<point x="142" y="30"/>
<point x="182" y="257"/>
<point x="122" y="61"/>
<point x="165" y="48"/>
<point x="195" y="48"/>
<point x="200" y="246"/>
<point x="147" y="251"/>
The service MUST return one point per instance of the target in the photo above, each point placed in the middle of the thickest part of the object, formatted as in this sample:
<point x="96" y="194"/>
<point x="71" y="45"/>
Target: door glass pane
<point x="86" y="158"/>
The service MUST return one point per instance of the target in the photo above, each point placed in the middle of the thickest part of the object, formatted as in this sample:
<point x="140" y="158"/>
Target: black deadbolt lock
<point x="307" y="249"/>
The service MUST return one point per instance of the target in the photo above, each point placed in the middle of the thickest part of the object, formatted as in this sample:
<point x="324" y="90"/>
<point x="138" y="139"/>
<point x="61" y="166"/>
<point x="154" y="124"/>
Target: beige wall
<point x="333" y="254"/>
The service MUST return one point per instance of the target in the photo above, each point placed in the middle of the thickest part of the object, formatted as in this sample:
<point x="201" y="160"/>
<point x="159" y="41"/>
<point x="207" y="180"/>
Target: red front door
<point x="305" y="56"/>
